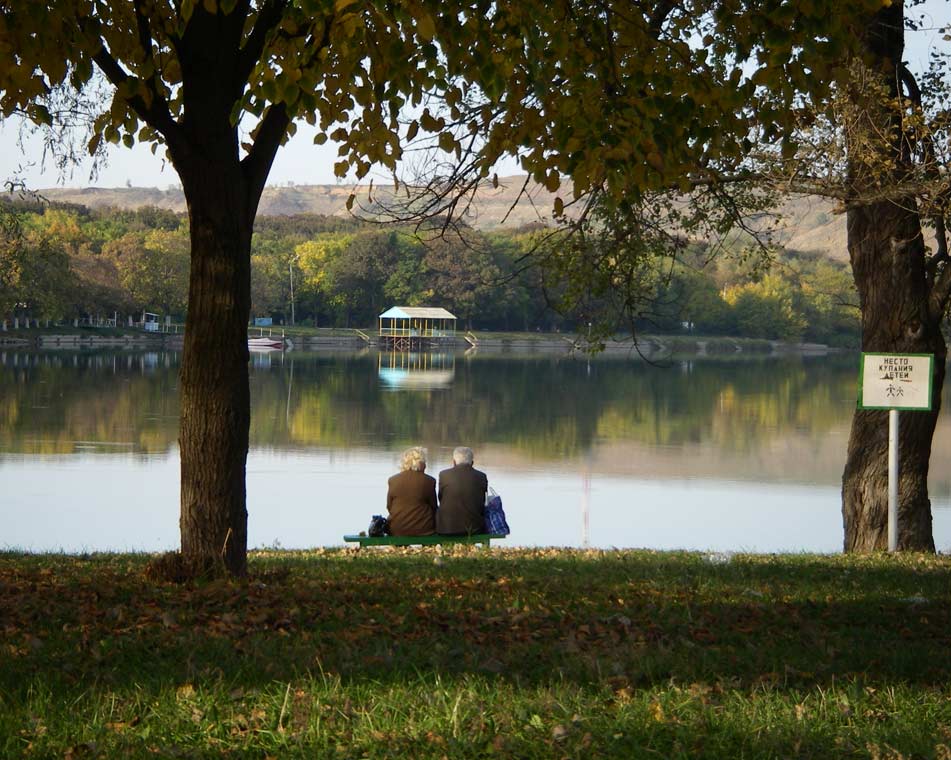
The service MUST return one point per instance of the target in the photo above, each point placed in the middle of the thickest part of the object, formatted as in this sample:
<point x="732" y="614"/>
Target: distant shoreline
<point x="652" y="347"/>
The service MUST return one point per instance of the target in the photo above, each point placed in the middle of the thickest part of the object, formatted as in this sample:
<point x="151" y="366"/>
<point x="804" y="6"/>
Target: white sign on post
<point x="894" y="382"/>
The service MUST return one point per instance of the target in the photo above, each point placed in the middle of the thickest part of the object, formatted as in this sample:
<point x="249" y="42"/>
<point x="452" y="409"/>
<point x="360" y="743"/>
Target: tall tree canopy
<point x="623" y="98"/>
<point x="841" y="114"/>
<point x="875" y="135"/>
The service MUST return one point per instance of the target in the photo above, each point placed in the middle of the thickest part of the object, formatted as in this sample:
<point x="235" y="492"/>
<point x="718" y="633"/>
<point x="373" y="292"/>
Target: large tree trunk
<point x="215" y="401"/>
<point x="214" y="392"/>
<point x="887" y="253"/>
<point x="218" y="48"/>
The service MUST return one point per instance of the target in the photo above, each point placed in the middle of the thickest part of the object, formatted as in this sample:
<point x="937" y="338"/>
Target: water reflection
<point x="60" y="403"/>
<point x="763" y="412"/>
<point x="410" y="370"/>
<point x="768" y="419"/>
<point x="708" y="453"/>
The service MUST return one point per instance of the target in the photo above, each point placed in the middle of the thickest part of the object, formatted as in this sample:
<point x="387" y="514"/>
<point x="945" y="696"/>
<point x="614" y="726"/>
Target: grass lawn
<point x="471" y="653"/>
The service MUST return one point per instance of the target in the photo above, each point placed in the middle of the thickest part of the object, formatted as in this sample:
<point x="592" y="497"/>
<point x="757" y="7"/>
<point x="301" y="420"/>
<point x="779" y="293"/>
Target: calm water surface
<point x="709" y="454"/>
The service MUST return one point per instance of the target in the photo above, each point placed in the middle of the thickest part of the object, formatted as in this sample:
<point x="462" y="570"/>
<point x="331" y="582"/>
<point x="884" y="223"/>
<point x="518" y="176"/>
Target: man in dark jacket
<point x="461" y="496"/>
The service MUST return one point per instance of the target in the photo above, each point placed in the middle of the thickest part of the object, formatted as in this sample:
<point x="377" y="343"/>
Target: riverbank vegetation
<point x="68" y="262"/>
<point x="467" y="653"/>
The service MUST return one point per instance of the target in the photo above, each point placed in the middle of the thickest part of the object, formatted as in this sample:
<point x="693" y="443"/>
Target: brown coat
<point x="411" y="502"/>
<point x="461" y="500"/>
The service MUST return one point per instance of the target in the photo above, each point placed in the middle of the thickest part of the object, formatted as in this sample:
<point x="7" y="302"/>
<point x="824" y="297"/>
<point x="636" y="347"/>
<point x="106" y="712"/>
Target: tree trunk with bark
<point x="218" y="47"/>
<point x="215" y="401"/>
<point x="888" y="258"/>
<point x="222" y="191"/>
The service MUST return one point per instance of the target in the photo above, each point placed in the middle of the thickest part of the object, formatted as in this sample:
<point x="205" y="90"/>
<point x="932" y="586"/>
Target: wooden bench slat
<point x="475" y="538"/>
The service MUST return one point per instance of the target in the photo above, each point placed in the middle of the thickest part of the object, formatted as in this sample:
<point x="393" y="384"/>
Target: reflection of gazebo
<point x="403" y="370"/>
<point x="406" y="327"/>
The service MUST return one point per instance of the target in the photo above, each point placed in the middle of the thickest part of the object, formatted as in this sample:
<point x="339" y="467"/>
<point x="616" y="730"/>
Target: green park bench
<point x="474" y="538"/>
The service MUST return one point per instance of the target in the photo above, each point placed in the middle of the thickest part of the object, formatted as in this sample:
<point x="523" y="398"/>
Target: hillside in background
<point x="494" y="205"/>
<point x="810" y="223"/>
<point x="97" y="251"/>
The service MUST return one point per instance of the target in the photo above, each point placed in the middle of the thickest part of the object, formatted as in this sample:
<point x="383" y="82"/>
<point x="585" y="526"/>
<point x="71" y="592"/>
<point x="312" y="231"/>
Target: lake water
<point x="709" y="454"/>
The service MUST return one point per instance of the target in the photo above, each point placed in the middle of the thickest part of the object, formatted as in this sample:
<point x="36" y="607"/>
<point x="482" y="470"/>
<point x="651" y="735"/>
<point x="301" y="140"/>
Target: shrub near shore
<point x="511" y="653"/>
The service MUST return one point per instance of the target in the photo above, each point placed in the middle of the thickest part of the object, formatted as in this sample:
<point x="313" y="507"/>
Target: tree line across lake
<point x="63" y="261"/>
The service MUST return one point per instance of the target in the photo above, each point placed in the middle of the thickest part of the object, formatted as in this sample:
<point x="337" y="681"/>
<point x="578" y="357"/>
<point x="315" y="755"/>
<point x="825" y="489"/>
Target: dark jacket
<point x="461" y="500"/>
<point x="411" y="502"/>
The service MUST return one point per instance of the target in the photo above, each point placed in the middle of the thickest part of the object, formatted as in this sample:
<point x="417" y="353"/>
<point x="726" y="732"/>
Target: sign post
<point x="892" y="480"/>
<point x="895" y="382"/>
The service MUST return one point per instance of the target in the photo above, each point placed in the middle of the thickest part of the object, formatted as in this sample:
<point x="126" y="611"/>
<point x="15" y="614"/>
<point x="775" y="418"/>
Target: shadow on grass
<point x="632" y="620"/>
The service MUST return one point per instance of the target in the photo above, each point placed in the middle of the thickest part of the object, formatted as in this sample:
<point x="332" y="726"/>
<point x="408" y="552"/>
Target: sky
<point x="299" y="161"/>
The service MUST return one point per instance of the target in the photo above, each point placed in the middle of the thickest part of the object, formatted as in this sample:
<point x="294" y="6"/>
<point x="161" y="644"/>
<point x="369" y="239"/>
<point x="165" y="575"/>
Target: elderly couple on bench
<point x="411" y="499"/>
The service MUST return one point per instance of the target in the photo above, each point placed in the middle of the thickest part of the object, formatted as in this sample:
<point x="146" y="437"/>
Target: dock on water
<point x="411" y="328"/>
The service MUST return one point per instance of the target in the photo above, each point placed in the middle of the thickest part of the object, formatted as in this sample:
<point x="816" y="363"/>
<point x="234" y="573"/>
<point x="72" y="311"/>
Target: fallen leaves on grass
<point x="516" y="613"/>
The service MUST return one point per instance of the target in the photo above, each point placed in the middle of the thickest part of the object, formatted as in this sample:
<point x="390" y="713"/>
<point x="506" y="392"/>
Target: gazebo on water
<point x="404" y="328"/>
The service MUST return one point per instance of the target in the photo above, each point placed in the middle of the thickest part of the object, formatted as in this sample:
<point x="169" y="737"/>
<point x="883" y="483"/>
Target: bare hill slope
<point x="810" y="225"/>
<point x="495" y="207"/>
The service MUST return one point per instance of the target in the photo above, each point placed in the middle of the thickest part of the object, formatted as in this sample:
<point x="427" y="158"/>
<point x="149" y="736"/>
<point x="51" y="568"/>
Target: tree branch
<point x="941" y="290"/>
<point x="145" y="41"/>
<point x="658" y="16"/>
<point x="257" y="164"/>
<point x="938" y="271"/>
<point x="156" y="113"/>
<point x="268" y="19"/>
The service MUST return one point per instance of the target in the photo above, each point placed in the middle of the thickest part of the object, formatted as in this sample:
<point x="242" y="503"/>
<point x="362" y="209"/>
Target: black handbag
<point x="379" y="526"/>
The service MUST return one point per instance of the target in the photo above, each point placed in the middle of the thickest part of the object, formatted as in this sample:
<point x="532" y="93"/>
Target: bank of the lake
<point x="472" y="653"/>
<point x="340" y="338"/>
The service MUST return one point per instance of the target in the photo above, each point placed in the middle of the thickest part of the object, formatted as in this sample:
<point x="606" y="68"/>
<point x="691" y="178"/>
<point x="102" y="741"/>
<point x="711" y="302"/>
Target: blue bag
<point x="494" y="514"/>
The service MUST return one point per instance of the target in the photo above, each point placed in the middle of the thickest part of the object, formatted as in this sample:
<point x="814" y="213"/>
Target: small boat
<point x="265" y="344"/>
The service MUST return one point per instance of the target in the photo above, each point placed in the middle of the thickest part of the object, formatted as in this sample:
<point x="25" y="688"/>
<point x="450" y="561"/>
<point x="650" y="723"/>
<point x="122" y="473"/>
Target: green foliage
<point x="45" y="283"/>
<point x="36" y="278"/>
<point x="153" y="269"/>
<point x="347" y="272"/>
<point x="765" y="309"/>
<point x="801" y="297"/>
<point x="703" y="305"/>
<point x="68" y="262"/>
<point x="10" y="243"/>
<point x="617" y="98"/>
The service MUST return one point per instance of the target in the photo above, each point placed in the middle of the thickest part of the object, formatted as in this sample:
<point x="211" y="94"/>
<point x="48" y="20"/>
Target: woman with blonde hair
<point x="411" y="496"/>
